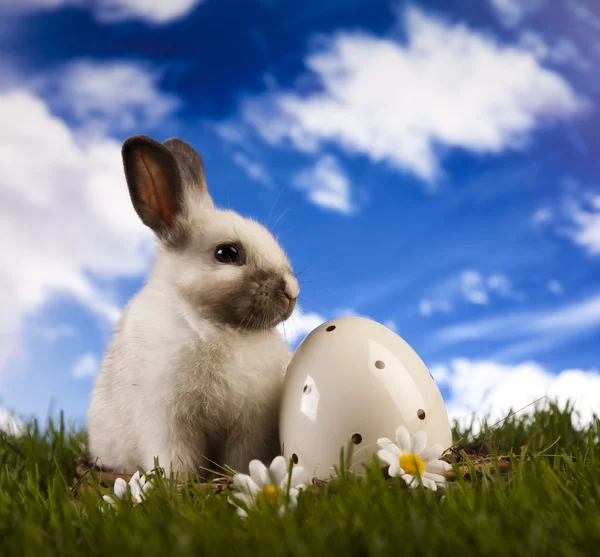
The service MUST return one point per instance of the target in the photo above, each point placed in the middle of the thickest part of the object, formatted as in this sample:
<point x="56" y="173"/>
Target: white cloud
<point x="488" y="389"/>
<point x="582" y="314"/>
<point x="512" y="12"/>
<point x="111" y="11"/>
<point x="119" y="96"/>
<point x="576" y="217"/>
<point x="473" y="287"/>
<point x="440" y="373"/>
<point x="555" y="287"/>
<point x="585" y="218"/>
<point x="299" y="325"/>
<point x="327" y="185"/>
<point x="428" y="307"/>
<point x="67" y="212"/>
<point x="509" y="11"/>
<point x="87" y="366"/>
<point x="18" y="6"/>
<point x="542" y="216"/>
<point x="533" y="330"/>
<point x="254" y="170"/>
<point x="390" y="324"/>
<point x="150" y="11"/>
<point x="470" y="286"/>
<point x="349" y="312"/>
<point x="231" y="131"/>
<point x="501" y="285"/>
<point x="10" y="423"/>
<point x="448" y="85"/>
<point x="51" y="334"/>
<point x="584" y="13"/>
<point x="563" y="51"/>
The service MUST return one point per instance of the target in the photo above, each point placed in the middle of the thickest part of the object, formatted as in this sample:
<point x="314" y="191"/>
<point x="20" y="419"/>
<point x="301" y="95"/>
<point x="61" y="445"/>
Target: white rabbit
<point x="193" y="374"/>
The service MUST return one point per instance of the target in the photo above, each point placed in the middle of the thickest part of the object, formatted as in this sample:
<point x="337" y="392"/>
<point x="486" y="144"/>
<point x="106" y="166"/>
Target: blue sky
<point x="431" y="165"/>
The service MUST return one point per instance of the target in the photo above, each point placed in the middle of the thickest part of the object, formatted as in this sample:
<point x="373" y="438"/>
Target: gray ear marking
<point x="191" y="169"/>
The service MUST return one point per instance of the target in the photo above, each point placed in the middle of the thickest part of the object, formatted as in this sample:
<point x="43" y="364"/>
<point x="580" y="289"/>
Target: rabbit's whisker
<point x="273" y="206"/>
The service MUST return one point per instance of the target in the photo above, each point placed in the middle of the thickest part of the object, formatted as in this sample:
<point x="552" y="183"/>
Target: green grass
<point x="548" y="504"/>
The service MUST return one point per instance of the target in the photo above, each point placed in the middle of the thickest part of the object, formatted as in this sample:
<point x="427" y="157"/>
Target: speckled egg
<point x="353" y="380"/>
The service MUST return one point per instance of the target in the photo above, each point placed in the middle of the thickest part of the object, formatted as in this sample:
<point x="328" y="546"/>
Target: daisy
<point x="138" y="487"/>
<point x="268" y="486"/>
<point x="410" y="459"/>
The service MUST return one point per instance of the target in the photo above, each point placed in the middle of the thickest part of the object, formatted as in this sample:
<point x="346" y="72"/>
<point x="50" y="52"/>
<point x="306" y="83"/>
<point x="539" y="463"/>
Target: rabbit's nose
<point x="290" y="287"/>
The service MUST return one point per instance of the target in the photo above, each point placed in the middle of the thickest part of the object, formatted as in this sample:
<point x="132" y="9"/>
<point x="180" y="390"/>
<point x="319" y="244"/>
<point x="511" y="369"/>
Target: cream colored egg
<point x="354" y="379"/>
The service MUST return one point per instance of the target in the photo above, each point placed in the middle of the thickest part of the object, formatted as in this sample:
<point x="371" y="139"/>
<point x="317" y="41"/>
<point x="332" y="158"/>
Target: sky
<point x="431" y="165"/>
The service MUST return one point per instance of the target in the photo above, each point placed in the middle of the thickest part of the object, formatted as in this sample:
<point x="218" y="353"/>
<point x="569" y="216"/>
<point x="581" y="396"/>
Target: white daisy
<point x="268" y="486"/>
<point x="138" y="487"/>
<point x="412" y="458"/>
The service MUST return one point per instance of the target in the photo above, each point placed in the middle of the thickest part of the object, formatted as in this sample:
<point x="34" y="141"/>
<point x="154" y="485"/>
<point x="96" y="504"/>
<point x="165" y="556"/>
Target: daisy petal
<point x="403" y="439"/>
<point x="411" y="481"/>
<point x="120" y="488"/>
<point x="439" y="480"/>
<point x="384" y="441"/>
<point x="419" y="442"/>
<point x="299" y="476"/>
<point x="395" y="470"/>
<point x="240" y="509"/>
<point x="145" y="489"/>
<point x="433" y="452"/>
<point x="293" y="493"/>
<point x="245" y="484"/>
<point x="278" y="471"/>
<point x="438" y="466"/>
<point x="386" y="456"/>
<point x="389" y="446"/>
<point x="241" y="512"/>
<point x="134" y="487"/>
<point x="258" y="473"/>
<point x="429" y="483"/>
<point x="243" y="497"/>
<point x="109" y="499"/>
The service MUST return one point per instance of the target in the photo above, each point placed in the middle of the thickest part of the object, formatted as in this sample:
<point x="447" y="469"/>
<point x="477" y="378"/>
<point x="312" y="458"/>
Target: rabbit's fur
<point x="194" y="372"/>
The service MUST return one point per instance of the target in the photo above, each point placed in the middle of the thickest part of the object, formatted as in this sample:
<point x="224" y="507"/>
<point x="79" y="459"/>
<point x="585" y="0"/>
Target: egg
<point x="353" y="380"/>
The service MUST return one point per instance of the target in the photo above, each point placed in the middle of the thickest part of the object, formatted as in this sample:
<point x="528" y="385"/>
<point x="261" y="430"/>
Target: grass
<point x="547" y="504"/>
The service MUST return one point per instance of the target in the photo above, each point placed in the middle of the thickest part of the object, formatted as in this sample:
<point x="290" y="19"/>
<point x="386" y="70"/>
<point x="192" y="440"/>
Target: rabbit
<point x="194" y="371"/>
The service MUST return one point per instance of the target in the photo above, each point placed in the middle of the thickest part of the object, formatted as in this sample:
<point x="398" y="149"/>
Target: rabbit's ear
<point x="191" y="169"/>
<point x="154" y="183"/>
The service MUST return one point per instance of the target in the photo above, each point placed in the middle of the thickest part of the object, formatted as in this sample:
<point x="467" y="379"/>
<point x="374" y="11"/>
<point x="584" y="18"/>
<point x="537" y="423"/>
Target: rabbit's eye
<point x="227" y="253"/>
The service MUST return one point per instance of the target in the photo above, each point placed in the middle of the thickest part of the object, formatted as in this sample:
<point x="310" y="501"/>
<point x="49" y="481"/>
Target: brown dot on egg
<point x="295" y="458"/>
<point x="330" y="328"/>
<point x="421" y="414"/>
<point x="357" y="438"/>
<point x="379" y="364"/>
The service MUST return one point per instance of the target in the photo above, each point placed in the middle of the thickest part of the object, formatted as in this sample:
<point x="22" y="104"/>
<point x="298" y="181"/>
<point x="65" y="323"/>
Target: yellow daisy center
<point x="269" y="495"/>
<point x="411" y="463"/>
